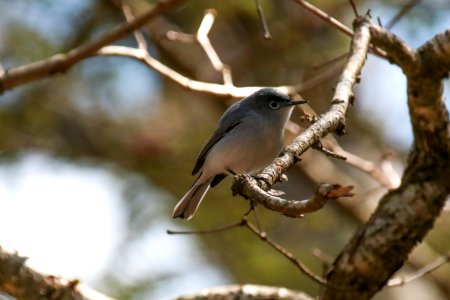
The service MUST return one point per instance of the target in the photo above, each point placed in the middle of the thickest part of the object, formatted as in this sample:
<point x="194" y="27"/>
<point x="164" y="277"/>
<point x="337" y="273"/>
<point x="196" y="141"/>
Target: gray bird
<point x="248" y="137"/>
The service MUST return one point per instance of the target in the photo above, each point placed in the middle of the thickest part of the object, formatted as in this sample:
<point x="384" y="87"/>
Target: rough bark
<point x="405" y="215"/>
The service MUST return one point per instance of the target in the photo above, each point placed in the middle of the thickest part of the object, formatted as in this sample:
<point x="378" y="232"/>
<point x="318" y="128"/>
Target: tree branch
<point x="247" y="185"/>
<point x="186" y="82"/>
<point x="247" y="292"/>
<point x="203" y="40"/>
<point x="23" y="283"/>
<point x="396" y="50"/>
<point x="406" y="214"/>
<point x="398" y="281"/>
<point x="128" y="14"/>
<point x="405" y="9"/>
<point x="263" y="236"/>
<point x="60" y="63"/>
<point x="341" y="27"/>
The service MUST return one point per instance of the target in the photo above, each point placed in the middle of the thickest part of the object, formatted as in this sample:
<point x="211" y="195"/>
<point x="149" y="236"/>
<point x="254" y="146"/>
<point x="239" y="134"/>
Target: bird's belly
<point x="242" y="156"/>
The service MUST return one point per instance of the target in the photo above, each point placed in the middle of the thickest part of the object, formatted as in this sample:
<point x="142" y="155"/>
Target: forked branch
<point x="61" y="62"/>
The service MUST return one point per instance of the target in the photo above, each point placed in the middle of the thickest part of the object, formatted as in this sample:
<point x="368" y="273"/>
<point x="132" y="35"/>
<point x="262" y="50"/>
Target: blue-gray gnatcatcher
<point x="249" y="137"/>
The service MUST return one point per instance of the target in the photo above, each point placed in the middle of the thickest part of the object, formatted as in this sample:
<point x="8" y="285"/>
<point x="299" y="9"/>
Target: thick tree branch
<point x="435" y="55"/>
<point x="405" y="215"/>
<point x="23" y="283"/>
<point x="396" y="50"/>
<point x="331" y="121"/>
<point x="60" y="63"/>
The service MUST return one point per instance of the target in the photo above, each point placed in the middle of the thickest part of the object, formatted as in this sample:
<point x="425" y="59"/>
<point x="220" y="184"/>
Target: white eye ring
<point x="274" y="104"/>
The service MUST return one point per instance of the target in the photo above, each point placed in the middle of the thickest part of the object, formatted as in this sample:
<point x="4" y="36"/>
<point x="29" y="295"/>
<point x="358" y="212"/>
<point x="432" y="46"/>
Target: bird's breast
<point x="247" y="148"/>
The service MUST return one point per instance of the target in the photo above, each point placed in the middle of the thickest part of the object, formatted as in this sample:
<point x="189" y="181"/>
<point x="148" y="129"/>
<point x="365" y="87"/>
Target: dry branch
<point x="341" y="27"/>
<point x="23" y="283"/>
<point x="247" y="292"/>
<point x="60" y="63"/>
<point x="247" y="185"/>
<point x="263" y="236"/>
<point x="401" y="13"/>
<point x="398" y="281"/>
<point x="205" y="43"/>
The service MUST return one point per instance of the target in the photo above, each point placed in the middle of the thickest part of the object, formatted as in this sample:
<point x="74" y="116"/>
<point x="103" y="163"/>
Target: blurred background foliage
<point x="116" y="115"/>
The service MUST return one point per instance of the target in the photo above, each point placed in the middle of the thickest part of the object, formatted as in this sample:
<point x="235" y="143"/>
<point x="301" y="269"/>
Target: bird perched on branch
<point x="248" y="137"/>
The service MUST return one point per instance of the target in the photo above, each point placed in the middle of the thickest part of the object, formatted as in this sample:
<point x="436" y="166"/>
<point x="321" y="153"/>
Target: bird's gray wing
<point x="217" y="136"/>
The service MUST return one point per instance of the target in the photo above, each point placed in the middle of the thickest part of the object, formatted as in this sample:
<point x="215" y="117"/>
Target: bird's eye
<point x="274" y="104"/>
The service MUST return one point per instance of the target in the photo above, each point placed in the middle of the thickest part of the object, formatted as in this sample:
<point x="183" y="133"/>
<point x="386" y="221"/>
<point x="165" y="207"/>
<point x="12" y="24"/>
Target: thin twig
<point x="330" y="61"/>
<point x="207" y="87"/>
<point x="387" y="180"/>
<point x="324" y="257"/>
<point x="379" y="21"/>
<point x="176" y="36"/>
<point x="209" y="231"/>
<point x="318" y="79"/>
<point x="184" y="81"/>
<point x="203" y="40"/>
<point x="401" y="13"/>
<point x="126" y="9"/>
<point x="355" y="11"/>
<point x="304" y="269"/>
<point x="384" y="174"/>
<point x="257" y="220"/>
<point x="262" y="235"/>
<point x="262" y="17"/>
<point x="324" y="16"/>
<point x="318" y="146"/>
<point x="398" y="281"/>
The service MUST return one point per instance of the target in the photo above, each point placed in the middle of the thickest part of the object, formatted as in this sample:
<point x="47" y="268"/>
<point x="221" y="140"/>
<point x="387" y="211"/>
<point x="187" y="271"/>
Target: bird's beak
<point x="292" y="103"/>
